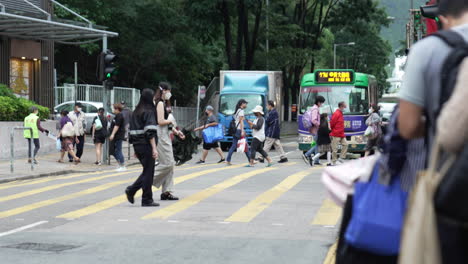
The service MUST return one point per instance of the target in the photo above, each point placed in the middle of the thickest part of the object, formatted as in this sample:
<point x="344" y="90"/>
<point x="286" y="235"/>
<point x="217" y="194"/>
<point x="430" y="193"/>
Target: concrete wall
<point x="20" y="145"/>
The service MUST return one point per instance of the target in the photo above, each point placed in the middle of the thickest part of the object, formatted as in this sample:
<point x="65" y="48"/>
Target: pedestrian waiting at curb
<point x="67" y="137"/>
<point x="338" y="134"/>
<point x="78" y="119"/>
<point x="210" y="121"/>
<point x="258" y="133"/>
<point x="313" y="115"/>
<point x="33" y="121"/>
<point x="323" y="141"/>
<point x="144" y="137"/>
<point x="117" y="136"/>
<point x="164" y="172"/>
<point x="99" y="134"/>
<point x="272" y="132"/>
<point x="240" y="132"/>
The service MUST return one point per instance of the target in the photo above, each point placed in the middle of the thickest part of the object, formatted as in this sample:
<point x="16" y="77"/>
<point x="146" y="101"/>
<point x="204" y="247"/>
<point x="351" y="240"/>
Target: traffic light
<point x="106" y="65"/>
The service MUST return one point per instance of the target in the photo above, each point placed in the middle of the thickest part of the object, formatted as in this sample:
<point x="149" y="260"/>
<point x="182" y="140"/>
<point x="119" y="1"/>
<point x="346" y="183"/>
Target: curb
<point x="55" y="173"/>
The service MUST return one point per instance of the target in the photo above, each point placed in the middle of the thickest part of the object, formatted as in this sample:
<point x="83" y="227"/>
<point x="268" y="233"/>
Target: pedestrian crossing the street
<point x="26" y="197"/>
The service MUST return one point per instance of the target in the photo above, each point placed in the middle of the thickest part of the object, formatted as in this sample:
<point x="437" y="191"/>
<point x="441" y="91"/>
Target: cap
<point x="209" y="108"/>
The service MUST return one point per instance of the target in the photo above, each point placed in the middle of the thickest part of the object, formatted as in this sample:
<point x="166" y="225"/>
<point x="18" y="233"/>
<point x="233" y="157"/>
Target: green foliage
<point x="16" y="109"/>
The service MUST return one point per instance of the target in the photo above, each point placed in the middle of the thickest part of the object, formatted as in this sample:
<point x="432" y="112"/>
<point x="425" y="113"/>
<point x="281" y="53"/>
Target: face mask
<point x="168" y="96"/>
<point x="79" y="109"/>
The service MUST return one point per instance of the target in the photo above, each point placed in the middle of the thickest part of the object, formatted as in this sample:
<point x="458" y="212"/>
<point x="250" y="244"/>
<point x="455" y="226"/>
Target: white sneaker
<point x="120" y="169"/>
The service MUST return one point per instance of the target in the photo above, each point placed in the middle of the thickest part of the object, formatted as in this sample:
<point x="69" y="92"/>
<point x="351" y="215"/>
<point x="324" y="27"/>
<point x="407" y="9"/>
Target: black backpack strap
<point x="451" y="38"/>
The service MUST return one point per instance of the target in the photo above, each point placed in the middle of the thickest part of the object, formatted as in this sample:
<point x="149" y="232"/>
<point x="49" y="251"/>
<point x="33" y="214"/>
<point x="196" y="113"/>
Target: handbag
<point x="68" y="130"/>
<point x="213" y="134"/>
<point x="241" y="145"/>
<point x="97" y="123"/>
<point x="339" y="180"/>
<point x="378" y="214"/>
<point x="420" y="241"/>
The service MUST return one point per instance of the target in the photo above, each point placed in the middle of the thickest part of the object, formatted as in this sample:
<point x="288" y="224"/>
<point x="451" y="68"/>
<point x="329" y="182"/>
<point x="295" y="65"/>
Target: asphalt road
<point x="226" y="214"/>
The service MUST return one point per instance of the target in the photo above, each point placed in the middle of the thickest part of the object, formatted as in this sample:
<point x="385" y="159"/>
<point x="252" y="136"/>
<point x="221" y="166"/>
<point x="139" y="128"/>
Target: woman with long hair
<point x="143" y="136"/>
<point x="164" y="172"/>
<point x="99" y="134"/>
<point x="240" y="132"/>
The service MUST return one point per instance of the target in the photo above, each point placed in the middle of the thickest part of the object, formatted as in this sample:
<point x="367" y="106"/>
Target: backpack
<point x="232" y="125"/>
<point x="307" y="119"/>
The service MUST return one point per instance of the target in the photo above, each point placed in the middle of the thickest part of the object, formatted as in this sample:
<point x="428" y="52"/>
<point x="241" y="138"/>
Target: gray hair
<point x="33" y="109"/>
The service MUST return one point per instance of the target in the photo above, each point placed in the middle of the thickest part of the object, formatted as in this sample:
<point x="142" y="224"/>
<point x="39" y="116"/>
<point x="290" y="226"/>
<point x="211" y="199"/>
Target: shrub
<point x="16" y="109"/>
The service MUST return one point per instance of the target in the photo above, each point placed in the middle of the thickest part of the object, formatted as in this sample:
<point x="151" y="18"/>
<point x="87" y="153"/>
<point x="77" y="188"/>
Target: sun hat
<point x="258" y="109"/>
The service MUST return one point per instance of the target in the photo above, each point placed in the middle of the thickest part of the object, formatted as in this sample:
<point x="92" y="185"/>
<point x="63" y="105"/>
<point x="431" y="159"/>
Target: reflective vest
<point x="31" y="121"/>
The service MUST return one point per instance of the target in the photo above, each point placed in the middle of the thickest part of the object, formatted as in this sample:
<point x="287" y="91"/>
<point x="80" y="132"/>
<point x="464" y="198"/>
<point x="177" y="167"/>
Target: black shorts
<point x="99" y="139"/>
<point x="208" y="146"/>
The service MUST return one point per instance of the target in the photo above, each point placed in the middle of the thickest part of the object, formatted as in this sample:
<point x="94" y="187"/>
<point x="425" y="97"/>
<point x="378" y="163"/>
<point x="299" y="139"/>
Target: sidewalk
<point x="48" y="165"/>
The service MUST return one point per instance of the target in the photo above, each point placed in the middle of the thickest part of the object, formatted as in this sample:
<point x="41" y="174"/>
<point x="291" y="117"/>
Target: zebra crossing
<point x="30" y="198"/>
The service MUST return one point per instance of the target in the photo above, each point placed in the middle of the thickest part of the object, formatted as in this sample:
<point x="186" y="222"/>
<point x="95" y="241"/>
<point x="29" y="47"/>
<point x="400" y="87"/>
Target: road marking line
<point x="40" y="204"/>
<point x="224" y="223"/>
<point x="277" y="224"/>
<point x="106" y="204"/>
<point x="19" y="229"/>
<point x="331" y="255"/>
<point x="21" y="183"/>
<point x="57" y="186"/>
<point x="186" y="203"/>
<point x="328" y="214"/>
<point x="264" y="200"/>
<point x="199" y="166"/>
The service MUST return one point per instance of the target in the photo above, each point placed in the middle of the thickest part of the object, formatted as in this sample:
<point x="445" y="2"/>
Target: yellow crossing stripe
<point x="40" y="204"/>
<point x="200" y="166"/>
<point x="57" y="186"/>
<point x="261" y="202"/>
<point x="92" y="209"/>
<point x="185" y="203"/>
<point x="328" y="214"/>
<point x="331" y="255"/>
<point x="53" y="178"/>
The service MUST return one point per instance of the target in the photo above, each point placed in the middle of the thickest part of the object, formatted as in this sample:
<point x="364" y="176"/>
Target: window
<point x="228" y="102"/>
<point x="20" y="73"/>
<point x="68" y="107"/>
<point x="89" y="109"/>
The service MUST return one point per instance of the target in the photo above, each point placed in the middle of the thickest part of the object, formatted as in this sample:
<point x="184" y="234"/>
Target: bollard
<point x="12" y="148"/>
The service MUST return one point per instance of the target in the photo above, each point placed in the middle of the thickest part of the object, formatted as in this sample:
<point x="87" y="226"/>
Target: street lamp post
<point x="334" y="51"/>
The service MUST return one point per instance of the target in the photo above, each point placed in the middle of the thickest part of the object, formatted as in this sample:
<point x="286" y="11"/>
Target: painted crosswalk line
<point x="41" y="204"/>
<point x="328" y="214"/>
<point x="261" y="202"/>
<point x="106" y="204"/>
<point x="54" y="178"/>
<point x="194" y="199"/>
<point x="57" y="186"/>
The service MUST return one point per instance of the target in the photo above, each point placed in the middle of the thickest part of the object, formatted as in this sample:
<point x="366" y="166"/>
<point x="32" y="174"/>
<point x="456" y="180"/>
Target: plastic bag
<point x="378" y="214"/>
<point x="213" y="134"/>
<point x="58" y="144"/>
<point x="98" y="124"/>
<point x="242" y="145"/>
<point x="369" y="131"/>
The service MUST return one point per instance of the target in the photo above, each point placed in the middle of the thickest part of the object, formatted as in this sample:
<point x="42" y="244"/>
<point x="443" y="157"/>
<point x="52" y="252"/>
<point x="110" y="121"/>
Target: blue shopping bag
<point x="213" y="134"/>
<point x="377" y="218"/>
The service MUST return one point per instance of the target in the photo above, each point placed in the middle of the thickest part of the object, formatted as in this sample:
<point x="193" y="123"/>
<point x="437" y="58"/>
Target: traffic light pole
<point x="106" y="104"/>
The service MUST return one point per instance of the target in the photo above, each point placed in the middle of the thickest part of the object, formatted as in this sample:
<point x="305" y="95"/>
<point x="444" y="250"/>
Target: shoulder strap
<point x="451" y="38"/>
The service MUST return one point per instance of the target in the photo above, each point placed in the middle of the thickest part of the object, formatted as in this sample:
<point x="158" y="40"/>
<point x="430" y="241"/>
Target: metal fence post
<point x="87" y="93"/>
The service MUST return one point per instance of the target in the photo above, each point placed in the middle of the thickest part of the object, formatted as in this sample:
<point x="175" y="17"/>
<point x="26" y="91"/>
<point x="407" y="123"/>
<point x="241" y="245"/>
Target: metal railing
<point x="95" y="93"/>
<point x="185" y="116"/>
<point x="12" y="148"/>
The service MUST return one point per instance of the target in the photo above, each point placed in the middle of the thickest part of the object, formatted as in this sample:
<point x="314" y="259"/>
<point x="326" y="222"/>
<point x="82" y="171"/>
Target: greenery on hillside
<point x="187" y="42"/>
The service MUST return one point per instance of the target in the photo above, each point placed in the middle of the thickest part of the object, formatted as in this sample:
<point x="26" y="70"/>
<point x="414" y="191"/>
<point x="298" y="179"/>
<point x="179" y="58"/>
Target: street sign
<point x="202" y="92"/>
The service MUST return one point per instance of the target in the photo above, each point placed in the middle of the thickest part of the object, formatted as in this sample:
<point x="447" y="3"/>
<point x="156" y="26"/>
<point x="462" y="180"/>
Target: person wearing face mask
<point x="240" y="132"/>
<point x="375" y="122"/>
<point x="338" y="134"/>
<point x="164" y="172"/>
<point x="78" y="119"/>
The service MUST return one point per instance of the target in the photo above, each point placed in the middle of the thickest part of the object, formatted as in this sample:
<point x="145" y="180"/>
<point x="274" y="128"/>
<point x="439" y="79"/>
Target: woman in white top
<point x="240" y="132"/>
<point x="258" y="133"/>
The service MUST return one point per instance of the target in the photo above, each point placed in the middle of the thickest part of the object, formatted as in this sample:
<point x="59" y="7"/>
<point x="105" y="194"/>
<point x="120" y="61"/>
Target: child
<point x="258" y="133"/>
<point x="323" y="141"/>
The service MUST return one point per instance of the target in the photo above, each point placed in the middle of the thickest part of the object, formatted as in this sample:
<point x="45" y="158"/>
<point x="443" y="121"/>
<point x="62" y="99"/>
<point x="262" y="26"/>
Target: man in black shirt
<point x="118" y="135"/>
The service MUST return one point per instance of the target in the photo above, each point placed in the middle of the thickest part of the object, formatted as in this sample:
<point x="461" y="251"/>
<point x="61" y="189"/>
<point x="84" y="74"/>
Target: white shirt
<point x="237" y="116"/>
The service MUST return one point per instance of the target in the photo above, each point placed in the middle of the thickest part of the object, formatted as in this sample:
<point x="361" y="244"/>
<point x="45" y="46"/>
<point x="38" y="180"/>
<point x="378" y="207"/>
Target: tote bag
<point x="213" y="134"/>
<point x="378" y="212"/>
<point x="420" y="241"/>
<point x="68" y="130"/>
<point x="242" y="145"/>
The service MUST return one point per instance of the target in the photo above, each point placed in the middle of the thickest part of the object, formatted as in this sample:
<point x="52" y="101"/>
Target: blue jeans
<point x="314" y="149"/>
<point x="233" y="148"/>
<point x="118" y="151"/>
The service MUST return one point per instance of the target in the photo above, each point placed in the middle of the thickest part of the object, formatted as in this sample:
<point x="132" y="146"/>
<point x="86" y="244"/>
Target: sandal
<point x="77" y="161"/>
<point x="60" y="161"/>
<point x="168" y="196"/>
